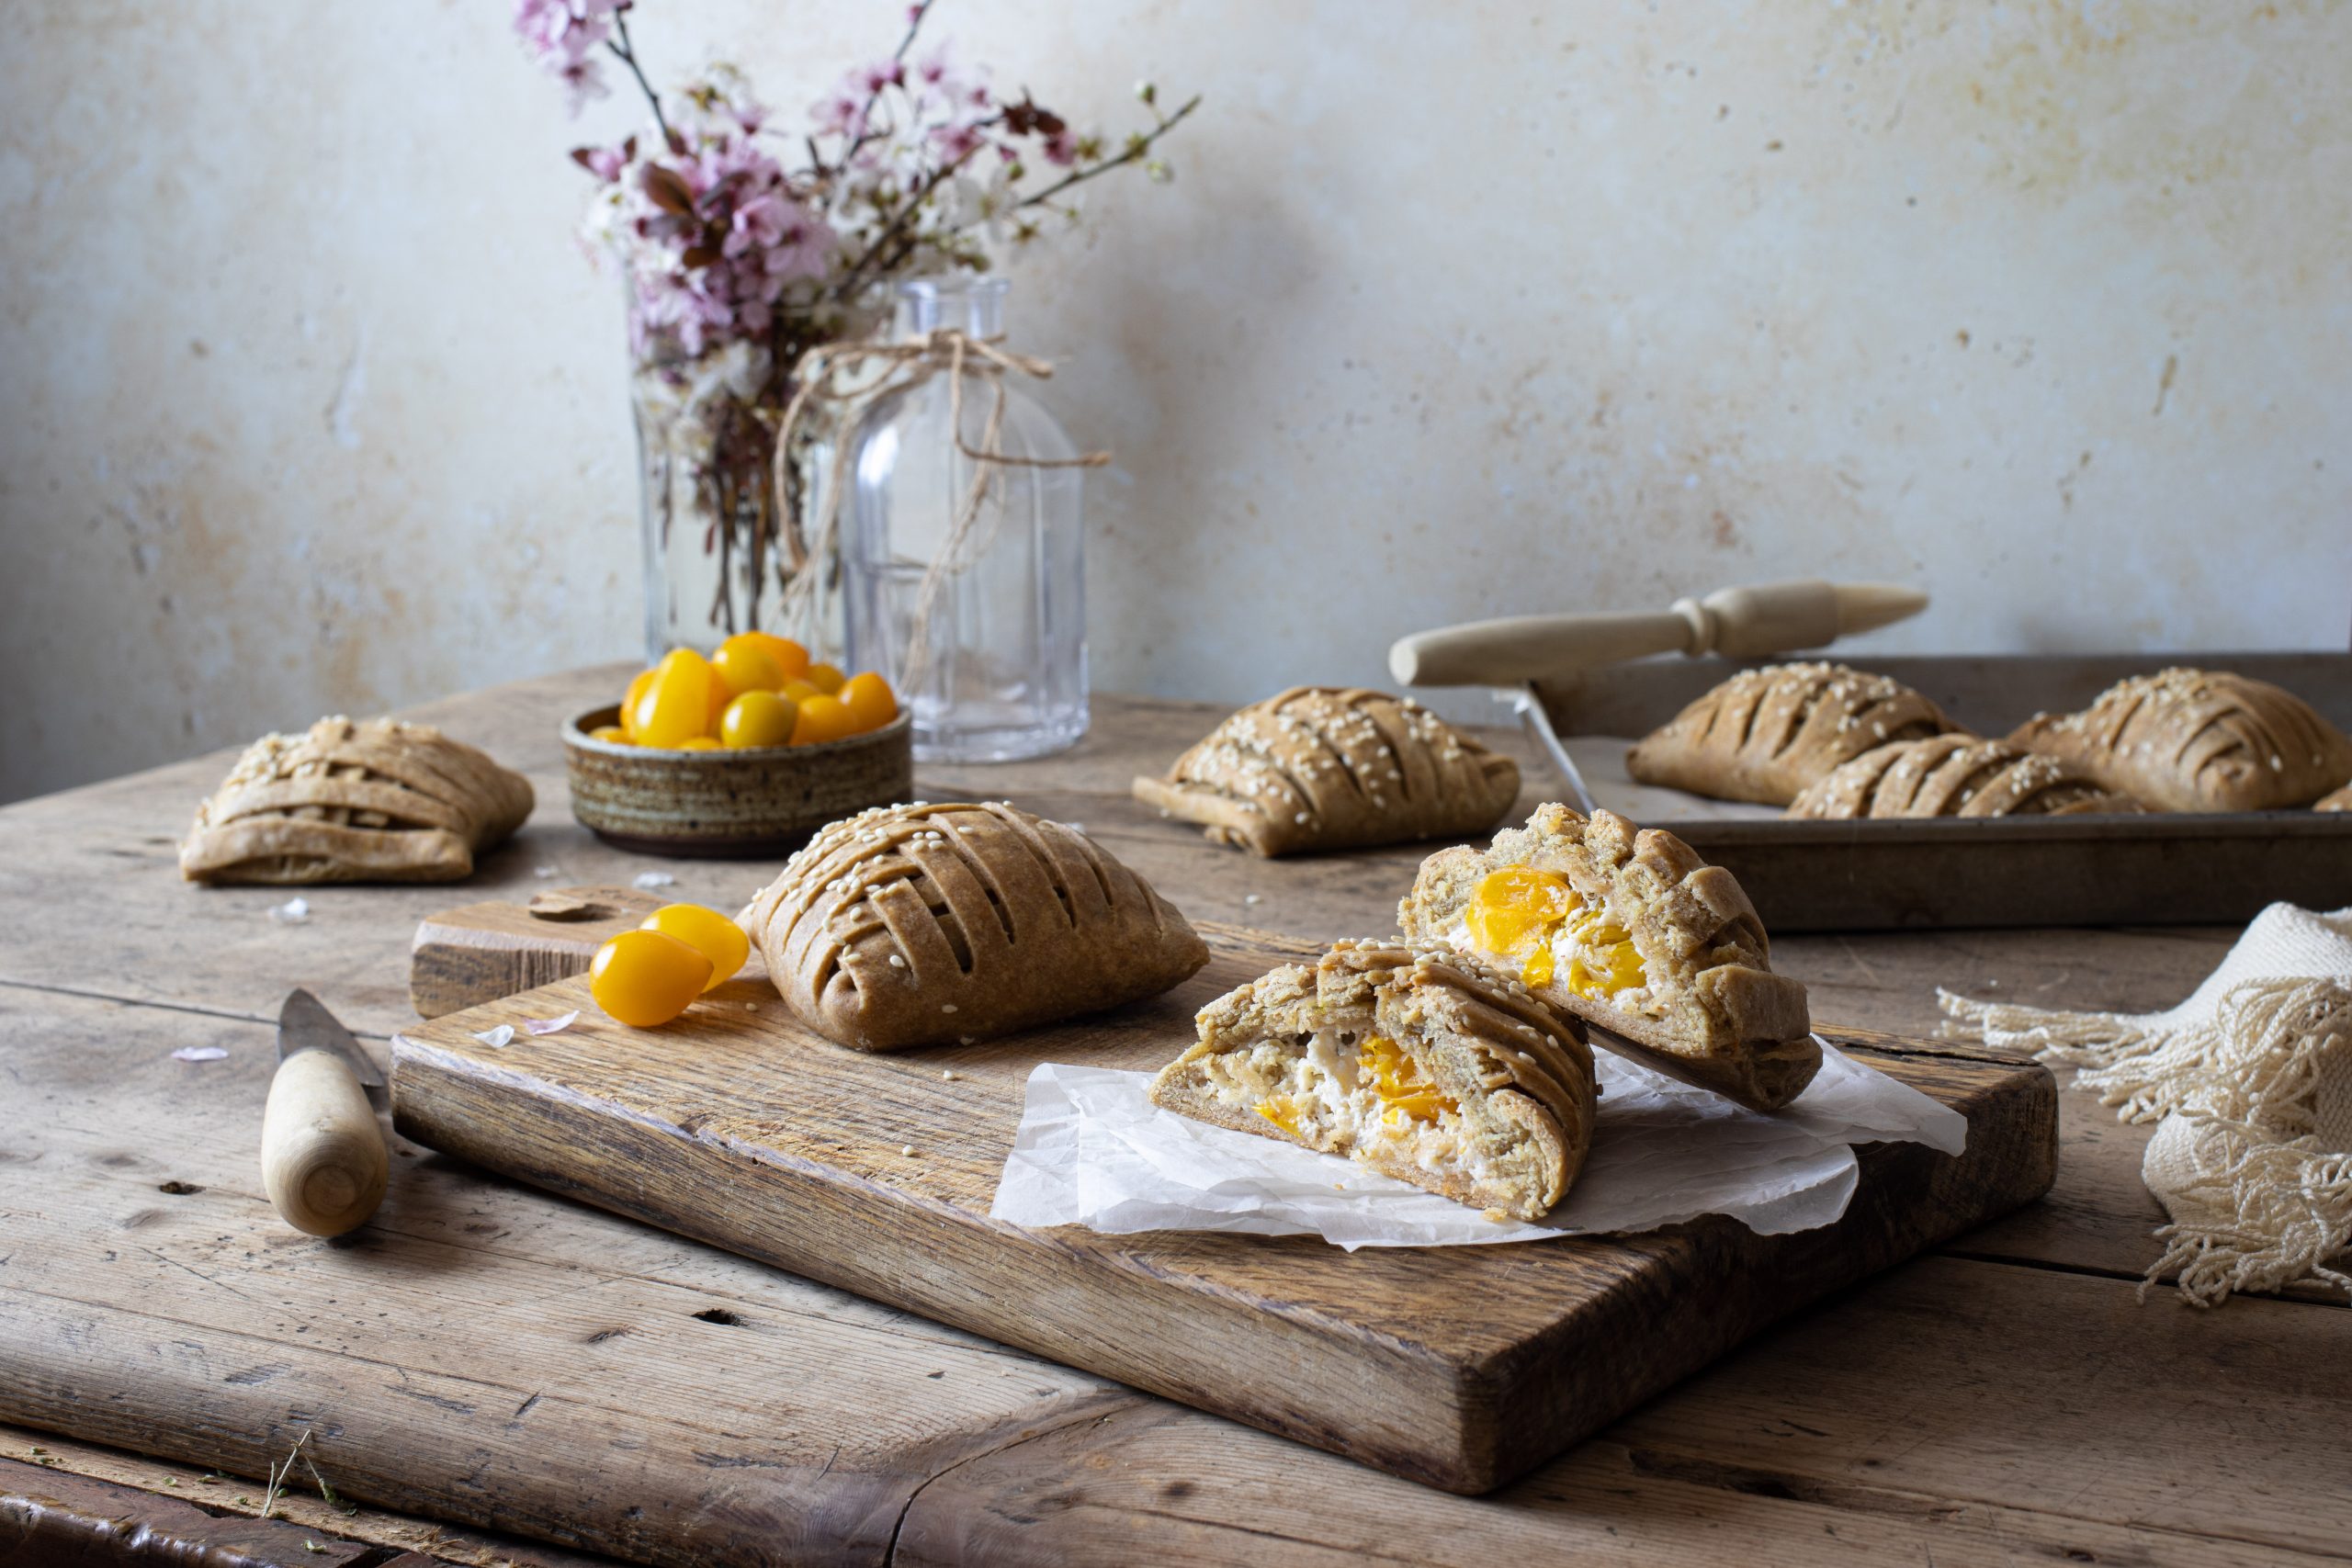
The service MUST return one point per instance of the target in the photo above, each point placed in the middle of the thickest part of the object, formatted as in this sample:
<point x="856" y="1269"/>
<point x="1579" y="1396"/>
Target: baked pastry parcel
<point x="1424" y="1063"/>
<point x="2198" y="740"/>
<point x="1956" y="775"/>
<point x="923" y="924"/>
<point x="1629" y="930"/>
<point x="379" y="801"/>
<point x="1766" y="734"/>
<point x="1334" y="768"/>
<point x="2335" y="800"/>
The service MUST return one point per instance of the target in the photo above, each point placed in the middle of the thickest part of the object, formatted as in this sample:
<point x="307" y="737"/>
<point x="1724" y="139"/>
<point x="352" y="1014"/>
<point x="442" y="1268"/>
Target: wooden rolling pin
<point x="1743" y="623"/>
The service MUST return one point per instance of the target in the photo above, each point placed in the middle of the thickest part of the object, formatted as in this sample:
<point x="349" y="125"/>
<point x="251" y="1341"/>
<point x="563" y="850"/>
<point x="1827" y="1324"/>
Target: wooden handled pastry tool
<point x="323" y="1156"/>
<point x="1521" y="652"/>
<point x="1772" y="617"/>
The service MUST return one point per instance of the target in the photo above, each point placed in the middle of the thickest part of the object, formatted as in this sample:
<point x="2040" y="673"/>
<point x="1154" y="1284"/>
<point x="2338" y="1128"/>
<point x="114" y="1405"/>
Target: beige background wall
<point x="309" y="403"/>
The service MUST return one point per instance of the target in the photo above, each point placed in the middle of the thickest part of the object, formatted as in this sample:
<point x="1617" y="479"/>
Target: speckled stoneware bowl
<point x="730" y="804"/>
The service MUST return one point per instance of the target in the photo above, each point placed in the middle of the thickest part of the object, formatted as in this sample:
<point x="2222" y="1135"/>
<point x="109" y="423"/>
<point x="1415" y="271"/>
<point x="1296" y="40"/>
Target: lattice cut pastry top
<point x="1629" y="930"/>
<point x="923" y="925"/>
<point x="1767" y="733"/>
<point x="2198" y="740"/>
<point x="1422" y="1062"/>
<point x="1956" y="775"/>
<point x="376" y="801"/>
<point x="1332" y="768"/>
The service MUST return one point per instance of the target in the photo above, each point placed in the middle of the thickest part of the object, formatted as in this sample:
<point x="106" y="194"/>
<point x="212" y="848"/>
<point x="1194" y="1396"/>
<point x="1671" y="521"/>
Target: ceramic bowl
<point x="730" y="804"/>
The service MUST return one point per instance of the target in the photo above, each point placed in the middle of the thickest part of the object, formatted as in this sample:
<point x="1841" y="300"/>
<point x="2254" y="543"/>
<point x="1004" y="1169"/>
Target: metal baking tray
<point x="2161" y="869"/>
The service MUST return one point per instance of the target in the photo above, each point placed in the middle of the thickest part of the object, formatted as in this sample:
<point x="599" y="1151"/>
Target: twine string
<point x="833" y="388"/>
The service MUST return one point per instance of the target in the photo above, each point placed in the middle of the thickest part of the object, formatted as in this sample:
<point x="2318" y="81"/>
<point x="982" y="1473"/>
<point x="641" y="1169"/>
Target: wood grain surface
<point x="1461" y="1367"/>
<point x="487" y="1356"/>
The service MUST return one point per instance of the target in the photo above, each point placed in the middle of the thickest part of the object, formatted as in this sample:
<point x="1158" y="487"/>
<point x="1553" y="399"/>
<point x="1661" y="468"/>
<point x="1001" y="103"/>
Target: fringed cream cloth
<point x="2250" y="1084"/>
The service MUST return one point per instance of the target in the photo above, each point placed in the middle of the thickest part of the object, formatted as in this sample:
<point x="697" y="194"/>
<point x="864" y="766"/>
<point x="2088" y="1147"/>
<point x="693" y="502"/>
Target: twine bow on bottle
<point x="835" y="384"/>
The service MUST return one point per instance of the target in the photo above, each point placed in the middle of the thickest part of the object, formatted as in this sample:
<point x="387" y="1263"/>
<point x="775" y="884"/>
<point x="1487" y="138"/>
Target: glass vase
<point x="718" y="557"/>
<point x="964" y="579"/>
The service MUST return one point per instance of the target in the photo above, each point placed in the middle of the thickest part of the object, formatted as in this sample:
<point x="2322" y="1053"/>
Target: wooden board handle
<point x="322" y="1160"/>
<point x="1743" y="623"/>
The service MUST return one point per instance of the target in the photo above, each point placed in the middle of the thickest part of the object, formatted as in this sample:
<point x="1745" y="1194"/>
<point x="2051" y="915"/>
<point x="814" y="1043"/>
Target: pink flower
<point x="1060" y="147"/>
<point x="953" y="143"/>
<point x="872" y="79"/>
<point x="563" y="35"/>
<point x="604" y="162"/>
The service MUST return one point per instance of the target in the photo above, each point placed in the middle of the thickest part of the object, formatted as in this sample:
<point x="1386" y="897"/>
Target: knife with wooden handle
<point x="323" y="1156"/>
<point x="1772" y="617"/>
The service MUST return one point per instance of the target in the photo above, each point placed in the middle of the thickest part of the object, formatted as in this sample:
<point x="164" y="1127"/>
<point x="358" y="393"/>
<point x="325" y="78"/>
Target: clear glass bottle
<point x="986" y="649"/>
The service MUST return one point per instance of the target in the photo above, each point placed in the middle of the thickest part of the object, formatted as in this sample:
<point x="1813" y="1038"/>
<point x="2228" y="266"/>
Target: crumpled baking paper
<point x="1092" y="1150"/>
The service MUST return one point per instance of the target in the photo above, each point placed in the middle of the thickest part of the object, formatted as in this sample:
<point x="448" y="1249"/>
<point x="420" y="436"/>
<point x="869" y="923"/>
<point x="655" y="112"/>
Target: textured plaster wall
<point x="308" y="403"/>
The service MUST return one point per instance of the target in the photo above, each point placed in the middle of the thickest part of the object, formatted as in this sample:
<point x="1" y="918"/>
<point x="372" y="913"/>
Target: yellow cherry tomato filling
<point x="644" y="978"/>
<point x="1404" y="1091"/>
<point x="708" y="932"/>
<point x="1513" y="913"/>
<point x="870" y="701"/>
<point x="758" y="719"/>
<point x="677" y="706"/>
<point x="822" y="718"/>
<point x="1605" y="960"/>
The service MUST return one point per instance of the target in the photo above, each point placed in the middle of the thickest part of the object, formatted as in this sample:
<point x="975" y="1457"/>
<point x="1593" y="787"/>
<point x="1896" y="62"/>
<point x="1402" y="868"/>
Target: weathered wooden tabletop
<point x="505" y="1368"/>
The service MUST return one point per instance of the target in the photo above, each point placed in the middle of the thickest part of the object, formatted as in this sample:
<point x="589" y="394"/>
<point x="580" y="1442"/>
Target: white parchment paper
<point x="1093" y="1150"/>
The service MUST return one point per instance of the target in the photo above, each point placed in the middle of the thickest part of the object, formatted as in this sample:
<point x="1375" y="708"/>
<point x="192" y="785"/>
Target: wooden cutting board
<point x="1458" y="1367"/>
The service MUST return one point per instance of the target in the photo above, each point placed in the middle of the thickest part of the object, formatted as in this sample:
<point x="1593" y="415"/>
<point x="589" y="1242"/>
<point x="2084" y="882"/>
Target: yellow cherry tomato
<point x="645" y="978"/>
<point x="708" y="932"/>
<point x="758" y="719"/>
<point x="822" y="718"/>
<point x="742" y="665"/>
<point x="612" y="732"/>
<point x="801" y="690"/>
<point x="719" y="697"/>
<point x="677" y="706"/>
<point x="791" y="658"/>
<point x="825" y="678"/>
<point x="637" y="689"/>
<point x="699" y="743"/>
<point x="870" y="701"/>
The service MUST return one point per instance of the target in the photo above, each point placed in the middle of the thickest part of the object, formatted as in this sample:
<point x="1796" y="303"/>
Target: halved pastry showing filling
<point x="1628" y="929"/>
<point x="1420" y="1063"/>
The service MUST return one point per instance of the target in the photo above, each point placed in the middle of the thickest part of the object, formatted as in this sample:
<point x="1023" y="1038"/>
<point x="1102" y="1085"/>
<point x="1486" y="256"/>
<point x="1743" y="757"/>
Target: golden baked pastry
<point x="2338" y="800"/>
<point x="1629" y="930"/>
<point x="379" y="801"/>
<point x="1767" y="733"/>
<point x="1334" y="768"/>
<point x="2198" y="740"/>
<point x="1424" y="1063"/>
<point x="922" y="924"/>
<point x="1956" y="775"/>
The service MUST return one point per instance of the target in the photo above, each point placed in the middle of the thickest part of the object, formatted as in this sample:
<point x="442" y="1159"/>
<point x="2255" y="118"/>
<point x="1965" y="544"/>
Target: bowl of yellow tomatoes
<point x="740" y="754"/>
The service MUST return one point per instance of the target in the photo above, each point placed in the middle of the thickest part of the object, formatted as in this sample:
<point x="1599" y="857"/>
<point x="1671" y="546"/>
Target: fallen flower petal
<point x="496" y="1037"/>
<point x="198" y="1053"/>
<point x="551" y="1025"/>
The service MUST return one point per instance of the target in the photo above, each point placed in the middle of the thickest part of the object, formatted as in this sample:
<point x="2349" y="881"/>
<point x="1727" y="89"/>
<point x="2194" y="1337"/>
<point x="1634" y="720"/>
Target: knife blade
<point x="304" y="1024"/>
<point x="322" y="1157"/>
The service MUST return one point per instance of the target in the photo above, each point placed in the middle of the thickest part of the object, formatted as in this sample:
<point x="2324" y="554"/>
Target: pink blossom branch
<point x="866" y="115"/>
<point x="1137" y="147"/>
<point x="626" y="54"/>
<point x="900" y="220"/>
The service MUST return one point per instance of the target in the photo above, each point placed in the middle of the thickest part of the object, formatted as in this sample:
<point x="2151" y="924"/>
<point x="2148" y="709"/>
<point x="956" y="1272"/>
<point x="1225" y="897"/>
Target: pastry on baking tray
<point x="1333" y="768"/>
<point x="2198" y="740"/>
<point x="379" y="801"/>
<point x="2337" y="800"/>
<point x="1767" y="733"/>
<point x="1956" y="775"/>
<point x="1628" y="929"/>
<point x="919" y="925"/>
<point x="1422" y="1062"/>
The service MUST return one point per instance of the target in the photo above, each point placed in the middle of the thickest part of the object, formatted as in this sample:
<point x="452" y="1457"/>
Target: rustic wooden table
<point x="489" y="1359"/>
